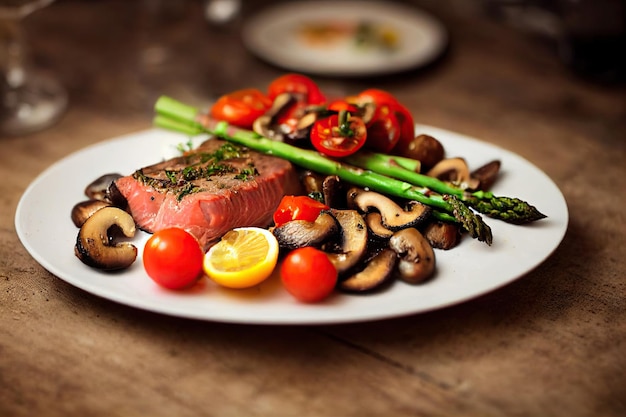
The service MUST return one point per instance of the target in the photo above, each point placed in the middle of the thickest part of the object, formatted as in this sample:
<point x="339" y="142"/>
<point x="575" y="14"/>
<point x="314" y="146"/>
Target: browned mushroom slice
<point x="312" y="182"/>
<point x="98" y="189"/>
<point x="353" y="243"/>
<point x="486" y="175"/>
<point x="333" y="192"/>
<point x="85" y="209"/>
<point x="267" y="125"/>
<point x="377" y="272"/>
<point x="264" y="125"/>
<point x="96" y="247"/>
<point x="442" y="235"/>
<point x="305" y="123"/>
<point x="367" y="111"/>
<point x="417" y="257"/>
<point x="300" y="233"/>
<point x="376" y="227"/>
<point x="454" y="170"/>
<point x="393" y="216"/>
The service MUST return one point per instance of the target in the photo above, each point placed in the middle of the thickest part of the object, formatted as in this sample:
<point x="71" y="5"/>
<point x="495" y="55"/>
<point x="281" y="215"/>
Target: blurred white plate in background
<point x="322" y="37"/>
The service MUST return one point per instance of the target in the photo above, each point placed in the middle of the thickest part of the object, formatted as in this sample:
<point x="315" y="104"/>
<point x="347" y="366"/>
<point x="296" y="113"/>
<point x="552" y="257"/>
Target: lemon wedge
<point x="244" y="257"/>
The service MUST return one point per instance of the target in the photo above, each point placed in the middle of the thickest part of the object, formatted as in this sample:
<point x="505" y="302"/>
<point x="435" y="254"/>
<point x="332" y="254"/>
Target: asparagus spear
<point x="509" y="209"/>
<point x="174" y="115"/>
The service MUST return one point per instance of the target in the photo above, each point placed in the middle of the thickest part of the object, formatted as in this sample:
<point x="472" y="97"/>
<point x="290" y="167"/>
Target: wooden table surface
<point x="552" y="343"/>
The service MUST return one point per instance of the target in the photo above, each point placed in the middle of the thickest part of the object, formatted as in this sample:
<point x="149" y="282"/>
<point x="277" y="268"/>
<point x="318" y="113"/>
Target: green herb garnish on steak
<point x="179" y="177"/>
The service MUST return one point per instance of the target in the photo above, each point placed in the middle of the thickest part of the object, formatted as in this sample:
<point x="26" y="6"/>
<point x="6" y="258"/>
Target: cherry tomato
<point x="242" y="107"/>
<point x="405" y="119"/>
<point x="339" y="104"/>
<point x="339" y="135"/>
<point x="302" y="85"/>
<point x="298" y="207"/>
<point x="173" y="258"/>
<point x="308" y="274"/>
<point x="383" y="130"/>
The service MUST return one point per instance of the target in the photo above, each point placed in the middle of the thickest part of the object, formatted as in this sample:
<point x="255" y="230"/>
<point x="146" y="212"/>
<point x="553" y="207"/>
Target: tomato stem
<point x="344" y="125"/>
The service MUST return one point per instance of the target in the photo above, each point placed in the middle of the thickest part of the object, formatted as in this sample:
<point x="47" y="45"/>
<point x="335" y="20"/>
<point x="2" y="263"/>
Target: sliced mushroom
<point x="299" y="233"/>
<point x="333" y="192"/>
<point x="312" y="181"/>
<point x="376" y="227"/>
<point x="417" y="257"/>
<point x="377" y="272"/>
<point x="85" y="209"/>
<point x="267" y="125"/>
<point x="367" y="111"/>
<point x="329" y="188"/>
<point x="353" y="243"/>
<point x="393" y="216"/>
<point x="442" y="235"/>
<point x="306" y="121"/>
<point x="98" y="189"/>
<point x="486" y="175"/>
<point x="96" y="247"/>
<point x="264" y="125"/>
<point x="454" y="170"/>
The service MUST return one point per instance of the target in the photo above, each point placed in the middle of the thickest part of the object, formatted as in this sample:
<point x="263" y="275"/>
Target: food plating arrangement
<point x="336" y="195"/>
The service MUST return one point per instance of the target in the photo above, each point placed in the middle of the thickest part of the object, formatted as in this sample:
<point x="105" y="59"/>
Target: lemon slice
<point x="244" y="257"/>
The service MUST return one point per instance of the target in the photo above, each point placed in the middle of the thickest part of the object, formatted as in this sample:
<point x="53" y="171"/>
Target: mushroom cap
<point x="95" y="246"/>
<point x="333" y="191"/>
<point x="353" y="243"/>
<point x="456" y="171"/>
<point x="267" y="125"/>
<point x="424" y="148"/>
<point x="417" y="257"/>
<point x="442" y="235"/>
<point x="393" y="216"/>
<point x="85" y="209"/>
<point x="377" y="272"/>
<point x="98" y="189"/>
<point x="299" y="233"/>
<point x="486" y="175"/>
<point x="375" y="225"/>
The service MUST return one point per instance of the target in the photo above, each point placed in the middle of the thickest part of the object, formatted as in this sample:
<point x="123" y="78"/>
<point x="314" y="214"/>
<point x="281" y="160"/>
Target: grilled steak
<point x="217" y="187"/>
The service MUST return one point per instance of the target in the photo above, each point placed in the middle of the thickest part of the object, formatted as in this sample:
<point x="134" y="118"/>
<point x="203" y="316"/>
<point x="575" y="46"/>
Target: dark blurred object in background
<point x="588" y="35"/>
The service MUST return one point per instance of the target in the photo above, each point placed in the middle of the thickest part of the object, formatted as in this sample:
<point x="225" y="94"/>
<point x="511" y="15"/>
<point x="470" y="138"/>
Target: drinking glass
<point x="30" y="100"/>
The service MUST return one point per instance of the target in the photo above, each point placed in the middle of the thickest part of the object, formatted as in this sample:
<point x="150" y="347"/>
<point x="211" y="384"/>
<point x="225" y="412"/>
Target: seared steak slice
<point x="217" y="187"/>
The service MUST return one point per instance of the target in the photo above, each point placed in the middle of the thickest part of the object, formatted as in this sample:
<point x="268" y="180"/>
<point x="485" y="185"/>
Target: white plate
<point x="43" y="224"/>
<point x="275" y="35"/>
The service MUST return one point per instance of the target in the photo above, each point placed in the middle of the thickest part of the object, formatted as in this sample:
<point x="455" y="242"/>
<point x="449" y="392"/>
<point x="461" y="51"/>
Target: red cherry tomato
<point x="339" y="104"/>
<point x="383" y="130"/>
<point x="242" y="107"/>
<point x="173" y="258"/>
<point x="339" y="135"/>
<point x="308" y="274"/>
<point x="298" y="207"/>
<point x="377" y="96"/>
<point x="302" y="85"/>
<point x="405" y="119"/>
